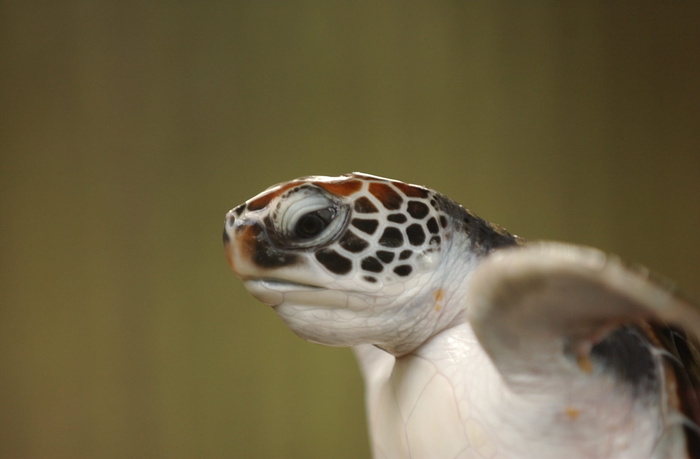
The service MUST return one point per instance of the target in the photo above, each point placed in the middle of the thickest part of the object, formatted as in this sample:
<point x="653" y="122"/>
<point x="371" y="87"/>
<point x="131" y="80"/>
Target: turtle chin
<point x="322" y="325"/>
<point x="326" y="316"/>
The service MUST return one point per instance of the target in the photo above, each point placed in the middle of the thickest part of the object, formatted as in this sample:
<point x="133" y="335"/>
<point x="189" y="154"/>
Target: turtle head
<point x="353" y="259"/>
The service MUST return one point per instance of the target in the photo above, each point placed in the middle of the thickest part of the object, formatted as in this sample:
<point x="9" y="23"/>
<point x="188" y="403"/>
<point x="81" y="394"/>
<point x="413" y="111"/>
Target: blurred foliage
<point x="128" y="129"/>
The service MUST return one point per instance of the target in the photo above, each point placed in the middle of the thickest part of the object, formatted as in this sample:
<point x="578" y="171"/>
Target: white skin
<point x="437" y="387"/>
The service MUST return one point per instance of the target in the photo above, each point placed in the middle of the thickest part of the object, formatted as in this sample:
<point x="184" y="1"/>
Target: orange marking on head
<point x="389" y="197"/>
<point x="344" y="187"/>
<point x="248" y="239"/>
<point x="262" y="201"/>
<point x="242" y="246"/>
<point x="412" y="191"/>
<point x="229" y="255"/>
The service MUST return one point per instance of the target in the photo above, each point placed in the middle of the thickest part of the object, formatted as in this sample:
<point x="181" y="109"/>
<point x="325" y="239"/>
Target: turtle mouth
<point x="280" y="285"/>
<point x="272" y="291"/>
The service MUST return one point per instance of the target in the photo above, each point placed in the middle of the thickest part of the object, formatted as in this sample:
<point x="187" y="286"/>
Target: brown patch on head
<point x="247" y="240"/>
<point x="412" y="191"/>
<point x="243" y="243"/>
<point x="229" y="254"/>
<point x="387" y="195"/>
<point x="344" y="187"/>
<point x="262" y="201"/>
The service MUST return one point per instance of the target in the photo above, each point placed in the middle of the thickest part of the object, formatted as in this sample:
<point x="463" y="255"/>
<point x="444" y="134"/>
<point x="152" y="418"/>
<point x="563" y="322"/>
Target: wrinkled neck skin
<point x="440" y="308"/>
<point x="441" y="303"/>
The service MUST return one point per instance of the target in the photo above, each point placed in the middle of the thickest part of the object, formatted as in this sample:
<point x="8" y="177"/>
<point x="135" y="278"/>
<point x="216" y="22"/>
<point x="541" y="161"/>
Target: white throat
<point x="447" y="400"/>
<point x="435" y="393"/>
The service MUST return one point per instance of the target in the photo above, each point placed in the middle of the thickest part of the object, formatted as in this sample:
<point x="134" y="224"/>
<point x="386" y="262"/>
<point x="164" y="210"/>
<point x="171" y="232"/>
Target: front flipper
<point x="549" y="311"/>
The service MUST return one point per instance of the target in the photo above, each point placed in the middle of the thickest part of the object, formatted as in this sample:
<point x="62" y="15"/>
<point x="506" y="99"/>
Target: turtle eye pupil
<point x="310" y="225"/>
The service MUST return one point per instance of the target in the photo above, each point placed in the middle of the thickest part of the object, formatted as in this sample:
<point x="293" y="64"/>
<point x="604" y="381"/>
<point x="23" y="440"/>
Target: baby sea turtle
<point x="473" y="342"/>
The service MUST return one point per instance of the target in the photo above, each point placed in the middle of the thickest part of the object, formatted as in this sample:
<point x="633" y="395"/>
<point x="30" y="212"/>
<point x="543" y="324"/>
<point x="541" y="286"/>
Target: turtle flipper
<point x="557" y="309"/>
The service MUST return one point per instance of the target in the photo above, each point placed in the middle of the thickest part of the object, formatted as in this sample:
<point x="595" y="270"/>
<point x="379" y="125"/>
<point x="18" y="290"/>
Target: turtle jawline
<point x="277" y="284"/>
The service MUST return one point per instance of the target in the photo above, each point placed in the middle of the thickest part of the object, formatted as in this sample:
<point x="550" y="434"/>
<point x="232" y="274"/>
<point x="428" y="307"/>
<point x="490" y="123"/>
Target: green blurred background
<point x="130" y="128"/>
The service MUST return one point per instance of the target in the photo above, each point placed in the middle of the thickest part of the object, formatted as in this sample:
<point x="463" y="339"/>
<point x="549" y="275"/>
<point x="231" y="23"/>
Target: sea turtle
<point x="473" y="342"/>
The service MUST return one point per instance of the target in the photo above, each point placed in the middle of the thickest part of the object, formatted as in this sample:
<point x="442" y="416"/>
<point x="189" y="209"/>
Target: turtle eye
<point x="307" y="216"/>
<point x="313" y="223"/>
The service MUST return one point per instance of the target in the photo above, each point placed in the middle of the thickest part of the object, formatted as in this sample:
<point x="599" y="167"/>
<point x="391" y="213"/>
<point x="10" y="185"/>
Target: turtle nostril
<point x="238" y="210"/>
<point x="230" y="223"/>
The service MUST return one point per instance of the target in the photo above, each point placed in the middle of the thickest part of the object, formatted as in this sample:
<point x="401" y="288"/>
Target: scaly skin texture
<point x="455" y="367"/>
